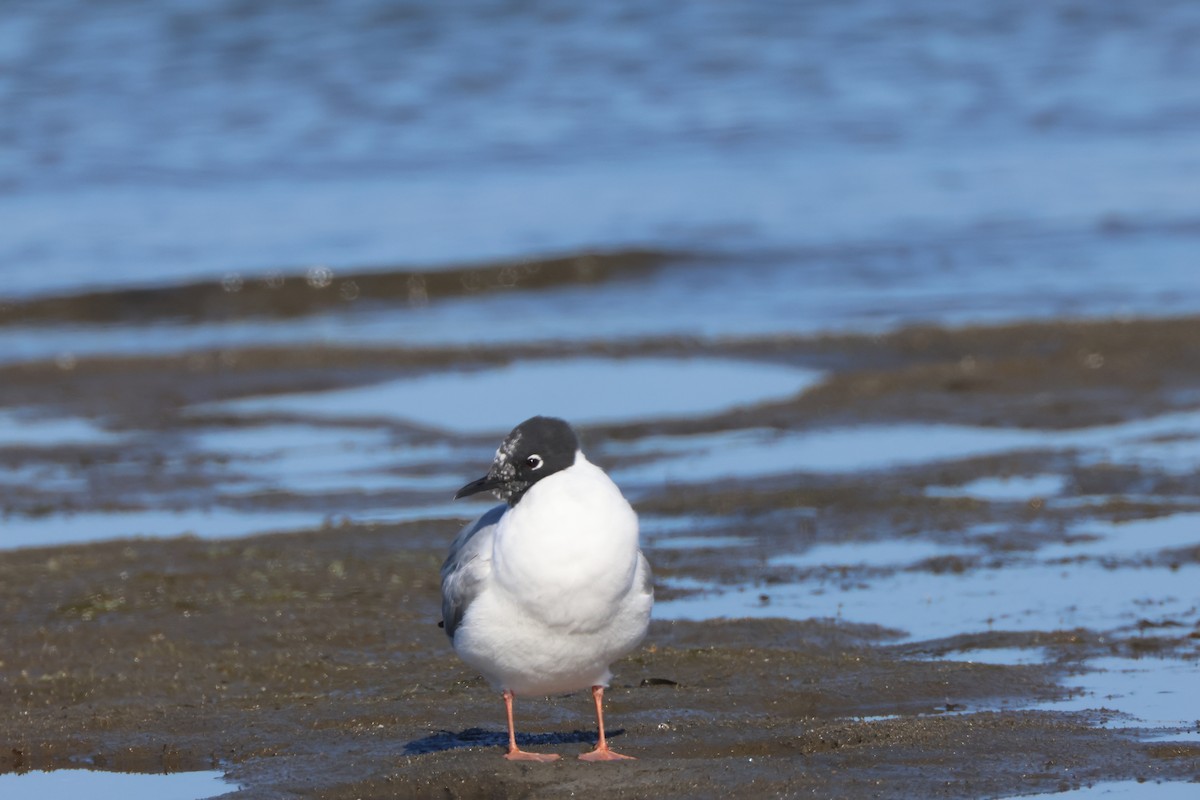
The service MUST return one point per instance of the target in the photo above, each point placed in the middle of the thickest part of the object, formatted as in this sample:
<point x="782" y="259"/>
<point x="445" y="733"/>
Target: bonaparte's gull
<point x="541" y="594"/>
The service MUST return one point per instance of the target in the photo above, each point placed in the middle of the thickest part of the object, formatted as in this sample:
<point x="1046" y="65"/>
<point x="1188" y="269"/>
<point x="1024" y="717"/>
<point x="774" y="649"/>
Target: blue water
<point x="1170" y="442"/>
<point x="1124" y="790"/>
<point x="855" y="165"/>
<point x="1035" y="595"/>
<point x="33" y="430"/>
<point x="99" y="785"/>
<point x="1157" y="691"/>
<point x="1017" y="487"/>
<point x="587" y="390"/>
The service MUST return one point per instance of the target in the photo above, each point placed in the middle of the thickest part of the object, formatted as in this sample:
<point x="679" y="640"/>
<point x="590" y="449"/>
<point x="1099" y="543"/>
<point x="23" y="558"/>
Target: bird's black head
<point x="538" y="447"/>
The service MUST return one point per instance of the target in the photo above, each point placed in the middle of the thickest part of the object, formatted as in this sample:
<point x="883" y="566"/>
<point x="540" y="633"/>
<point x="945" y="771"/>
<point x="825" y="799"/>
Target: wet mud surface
<point x="281" y="294"/>
<point x="309" y="662"/>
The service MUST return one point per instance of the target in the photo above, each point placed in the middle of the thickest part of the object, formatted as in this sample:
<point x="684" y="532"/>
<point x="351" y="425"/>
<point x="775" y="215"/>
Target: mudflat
<point x="309" y="662"/>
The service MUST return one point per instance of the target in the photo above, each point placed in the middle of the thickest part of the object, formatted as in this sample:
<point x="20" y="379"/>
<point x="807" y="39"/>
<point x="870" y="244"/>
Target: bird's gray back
<point x="466" y="566"/>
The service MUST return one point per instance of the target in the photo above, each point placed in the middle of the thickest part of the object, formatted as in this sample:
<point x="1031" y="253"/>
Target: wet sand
<point x="310" y="663"/>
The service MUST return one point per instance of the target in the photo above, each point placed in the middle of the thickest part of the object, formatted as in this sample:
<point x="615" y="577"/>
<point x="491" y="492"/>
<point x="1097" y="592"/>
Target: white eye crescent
<point x="534" y="462"/>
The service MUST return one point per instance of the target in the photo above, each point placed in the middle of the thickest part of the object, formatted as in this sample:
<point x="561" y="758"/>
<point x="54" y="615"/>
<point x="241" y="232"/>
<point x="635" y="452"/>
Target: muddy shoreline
<point x="309" y="663"/>
<point x="312" y="664"/>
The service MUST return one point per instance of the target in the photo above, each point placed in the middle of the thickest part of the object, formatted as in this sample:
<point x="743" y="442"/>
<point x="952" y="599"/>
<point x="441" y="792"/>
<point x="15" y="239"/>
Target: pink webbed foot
<point x="525" y="755"/>
<point x="604" y="754"/>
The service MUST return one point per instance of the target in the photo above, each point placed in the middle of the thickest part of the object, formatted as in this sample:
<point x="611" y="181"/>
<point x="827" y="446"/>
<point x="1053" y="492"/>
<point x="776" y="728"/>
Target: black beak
<point x="486" y="483"/>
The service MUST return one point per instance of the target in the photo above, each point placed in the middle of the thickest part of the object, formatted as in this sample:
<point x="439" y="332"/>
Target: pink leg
<point x="515" y="753"/>
<point x="602" y="753"/>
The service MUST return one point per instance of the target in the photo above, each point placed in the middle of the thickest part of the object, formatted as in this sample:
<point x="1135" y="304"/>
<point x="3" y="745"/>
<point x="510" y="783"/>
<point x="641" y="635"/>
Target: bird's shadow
<point x="478" y="737"/>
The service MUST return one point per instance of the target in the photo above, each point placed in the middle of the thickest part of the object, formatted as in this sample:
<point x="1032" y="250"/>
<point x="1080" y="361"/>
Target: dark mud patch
<point x="292" y="293"/>
<point x="312" y="663"/>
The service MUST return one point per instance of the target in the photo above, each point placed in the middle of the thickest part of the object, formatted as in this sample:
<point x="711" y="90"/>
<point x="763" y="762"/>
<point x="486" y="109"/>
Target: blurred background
<point x="796" y="167"/>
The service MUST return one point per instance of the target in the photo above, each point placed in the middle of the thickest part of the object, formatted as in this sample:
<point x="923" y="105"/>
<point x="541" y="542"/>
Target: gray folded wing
<point x="467" y="566"/>
<point x="645" y="575"/>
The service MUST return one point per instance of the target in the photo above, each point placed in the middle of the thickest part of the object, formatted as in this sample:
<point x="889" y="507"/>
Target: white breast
<point x="566" y="554"/>
<point x="562" y="595"/>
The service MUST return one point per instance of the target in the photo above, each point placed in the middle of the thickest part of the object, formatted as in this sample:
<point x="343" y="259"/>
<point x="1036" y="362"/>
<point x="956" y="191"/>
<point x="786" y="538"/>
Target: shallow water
<point x="1000" y="655"/>
<point x="1166" y="440"/>
<point x="97" y="785"/>
<point x="211" y="523"/>
<point x="855" y="167"/>
<point x="761" y="453"/>
<point x="306" y="459"/>
<point x="586" y="390"/>
<point x="45" y="530"/>
<point x="52" y="477"/>
<point x="700" y="542"/>
<point x="1059" y="586"/>
<point x="1126" y="790"/>
<point x="1148" y="692"/>
<point x="1029" y="597"/>
<point x="1124" y="539"/>
<point x="23" y="428"/>
<point x="889" y="553"/>
<point x="1084" y="584"/>
<point x="1023" y="487"/>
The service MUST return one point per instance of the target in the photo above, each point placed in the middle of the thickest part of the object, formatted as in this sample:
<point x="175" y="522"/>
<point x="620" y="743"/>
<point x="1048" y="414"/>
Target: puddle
<point x="1020" y="594"/>
<point x="46" y="477"/>
<point x="1016" y="488"/>
<point x="18" y="429"/>
<point x="306" y="459"/>
<point x="1123" y="539"/>
<point x="1029" y="597"/>
<point x="1154" y="692"/>
<point x="318" y="481"/>
<point x="752" y="453"/>
<point x="654" y="525"/>
<point x="1125" y="790"/>
<point x="292" y="458"/>
<point x="1003" y="656"/>
<point x="685" y="533"/>
<point x="885" y="553"/>
<point x="582" y="390"/>
<point x="1186" y="737"/>
<point x="312" y="473"/>
<point x="267" y="440"/>
<point x="1170" y="441"/>
<point x="97" y="785"/>
<point x="216" y="523"/>
<point x="699" y="542"/>
<point x="460" y="511"/>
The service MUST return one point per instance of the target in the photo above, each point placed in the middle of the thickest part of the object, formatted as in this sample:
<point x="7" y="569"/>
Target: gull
<point x="542" y="593"/>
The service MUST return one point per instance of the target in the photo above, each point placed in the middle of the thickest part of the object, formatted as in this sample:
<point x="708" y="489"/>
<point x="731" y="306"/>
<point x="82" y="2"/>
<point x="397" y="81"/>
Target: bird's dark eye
<point x="534" y="462"/>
